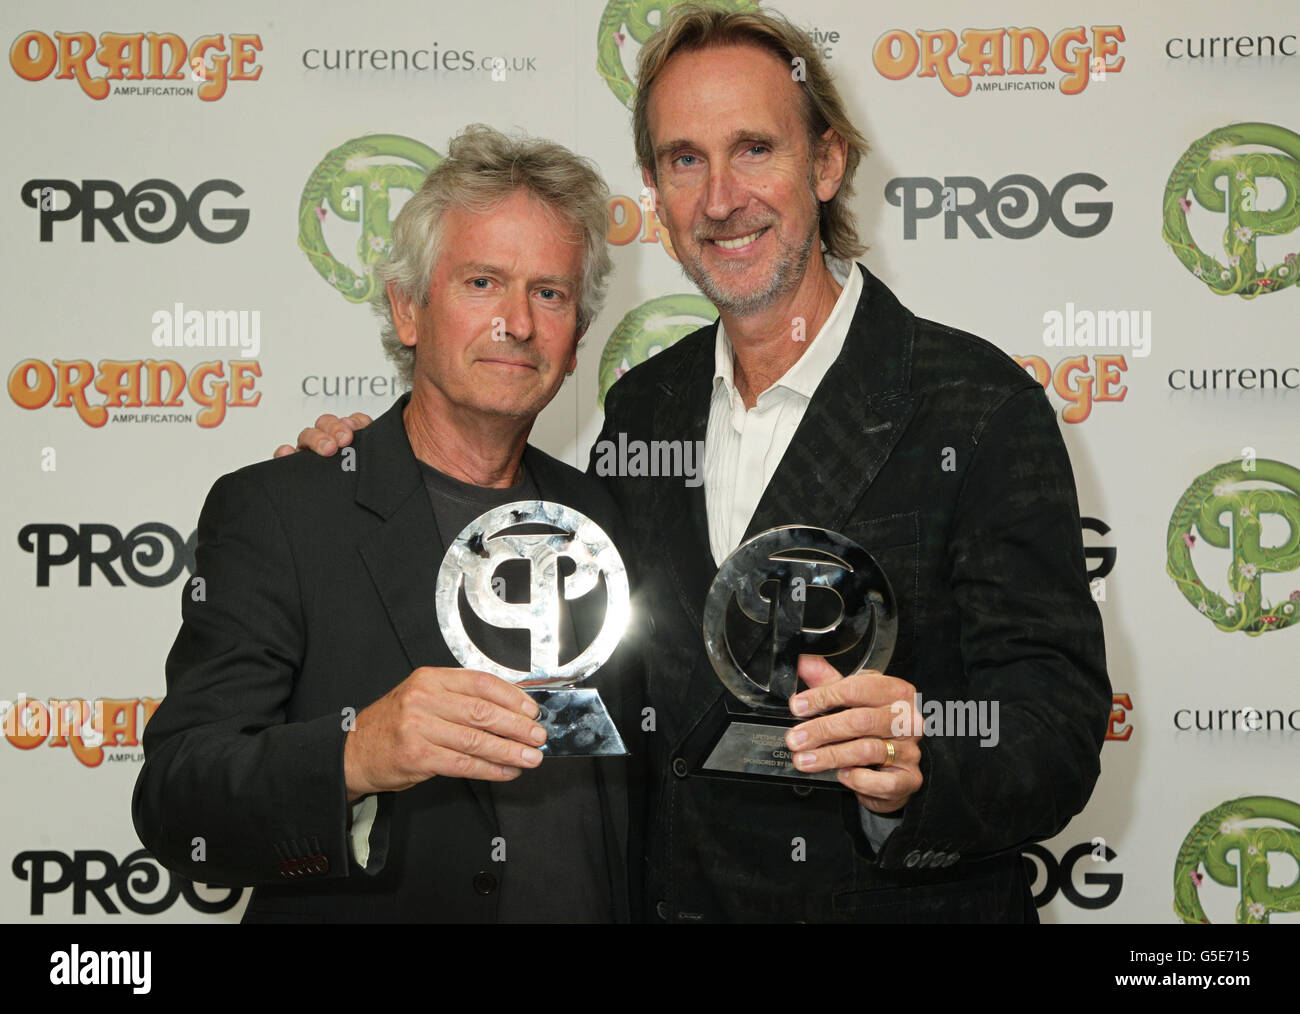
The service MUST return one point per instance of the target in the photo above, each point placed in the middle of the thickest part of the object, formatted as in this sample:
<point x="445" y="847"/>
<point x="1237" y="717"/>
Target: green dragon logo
<point x="350" y="185"/>
<point x="1199" y="172"/>
<point x="1201" y="509"/>
<point x="1224" y="830"/>
<point x="650" y="328"/>
<point x="637" y="19"/>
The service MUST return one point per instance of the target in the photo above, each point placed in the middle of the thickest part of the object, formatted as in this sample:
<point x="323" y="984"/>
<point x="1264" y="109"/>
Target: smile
<point x="740" y="242"/>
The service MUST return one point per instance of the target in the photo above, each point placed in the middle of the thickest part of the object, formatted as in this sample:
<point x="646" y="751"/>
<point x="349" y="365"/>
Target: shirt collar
<point x="823" y="349"/>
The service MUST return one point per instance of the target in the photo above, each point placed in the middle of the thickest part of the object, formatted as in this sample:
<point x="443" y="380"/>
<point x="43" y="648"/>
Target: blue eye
<point x="682" y="159"/>
<point x="550" y="293"/>
<point x="475" y="283"/>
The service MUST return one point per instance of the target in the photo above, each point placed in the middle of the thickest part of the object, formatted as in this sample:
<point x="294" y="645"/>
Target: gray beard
<point x="789" y="270"/>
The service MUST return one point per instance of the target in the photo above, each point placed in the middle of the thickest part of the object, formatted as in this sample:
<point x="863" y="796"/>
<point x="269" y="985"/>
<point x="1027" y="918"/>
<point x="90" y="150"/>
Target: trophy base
<point x="577" y="724"/>
<point x="749" y="747"/>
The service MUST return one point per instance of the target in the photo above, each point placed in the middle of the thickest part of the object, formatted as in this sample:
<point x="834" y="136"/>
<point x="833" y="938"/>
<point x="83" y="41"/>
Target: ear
<point x="404" y="311"/>
<point x="829" y="163"/>
<point x="573" y="359"/>
<point x="648" y="179"/>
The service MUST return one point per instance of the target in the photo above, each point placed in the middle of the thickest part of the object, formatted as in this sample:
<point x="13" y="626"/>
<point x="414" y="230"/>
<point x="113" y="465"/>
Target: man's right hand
<point x="328" y="435"/>
<point x="455" y="722"/>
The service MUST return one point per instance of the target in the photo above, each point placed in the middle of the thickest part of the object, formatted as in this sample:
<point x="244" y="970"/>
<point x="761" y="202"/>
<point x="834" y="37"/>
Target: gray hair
<point x="484" y="167"/>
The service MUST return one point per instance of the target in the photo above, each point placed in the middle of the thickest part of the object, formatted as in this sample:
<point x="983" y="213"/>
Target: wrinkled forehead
<point x="722" y="88"/>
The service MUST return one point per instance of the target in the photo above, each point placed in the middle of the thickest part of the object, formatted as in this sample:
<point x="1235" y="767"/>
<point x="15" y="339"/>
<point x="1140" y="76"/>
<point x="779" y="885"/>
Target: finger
<point x="480" y="744"/>
<point x="840" y="726"/>
<point x="867" y="688"/>
<point x="442" y="761"/>
<point x="893" y="786"/>
<point x="475" y="683"/>
<point x="284" y="449"/>
<point x="817" y="672"/>
<point x="314" y="440"/>
<point x="886" y="807"/>
<point x="342" y="429"/>
<point x="478" y="713"/>
<point x="858" y="753"/>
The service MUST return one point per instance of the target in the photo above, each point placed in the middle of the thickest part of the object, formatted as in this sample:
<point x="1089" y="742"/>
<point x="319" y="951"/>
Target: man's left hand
<point x="876" y="708"/>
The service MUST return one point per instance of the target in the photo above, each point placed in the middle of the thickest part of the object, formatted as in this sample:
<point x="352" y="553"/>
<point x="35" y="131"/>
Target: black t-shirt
<point x="551" y="816"/>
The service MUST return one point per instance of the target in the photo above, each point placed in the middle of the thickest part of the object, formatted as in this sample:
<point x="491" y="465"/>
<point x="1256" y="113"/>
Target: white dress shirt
<point x="743" y="447"/>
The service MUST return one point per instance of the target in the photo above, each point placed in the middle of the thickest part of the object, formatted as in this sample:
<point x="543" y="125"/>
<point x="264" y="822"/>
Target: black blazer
<point x="986" y="560"/>
<point x="318" y="597"/>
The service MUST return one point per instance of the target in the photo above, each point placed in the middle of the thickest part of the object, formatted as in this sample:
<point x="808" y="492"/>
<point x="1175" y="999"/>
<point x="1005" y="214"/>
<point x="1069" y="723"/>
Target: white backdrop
<point x="98" y="626"/>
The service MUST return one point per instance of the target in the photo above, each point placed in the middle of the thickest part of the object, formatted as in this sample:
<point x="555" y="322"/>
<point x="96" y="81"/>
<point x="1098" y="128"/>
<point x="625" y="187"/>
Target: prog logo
<point x="1223" y="831"/>
<point x="650" y="328"/>
<point x="1219" y="492"/>
<point x="346" y="183"/>
<point x="92" y="873"/>
<point x="1207" y="170"/>
<point x="1006" y="205"/>
<point x="1060" y="876"/>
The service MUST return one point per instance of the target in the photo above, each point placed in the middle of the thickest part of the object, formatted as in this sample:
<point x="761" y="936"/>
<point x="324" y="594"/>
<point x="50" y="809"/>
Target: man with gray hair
<point x="338" y="759"/>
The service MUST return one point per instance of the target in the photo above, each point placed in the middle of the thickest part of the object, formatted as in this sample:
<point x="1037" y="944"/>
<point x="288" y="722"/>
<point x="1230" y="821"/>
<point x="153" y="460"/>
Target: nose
<point x="724" y="195"/>
<point x="518" y="314"/>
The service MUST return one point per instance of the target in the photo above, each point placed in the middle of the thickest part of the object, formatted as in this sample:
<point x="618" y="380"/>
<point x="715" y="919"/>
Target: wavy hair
<point x="484" y="167"/>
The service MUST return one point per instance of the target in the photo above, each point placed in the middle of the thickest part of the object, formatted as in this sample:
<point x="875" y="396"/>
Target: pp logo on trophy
<point x="1238" y="507"/>
<point x="356" y="183"/>
<point x="1243" y="183"/>
<point x="568" y="563"/>
<point x="1235" y="844"/>
<point x="789" y="591"/>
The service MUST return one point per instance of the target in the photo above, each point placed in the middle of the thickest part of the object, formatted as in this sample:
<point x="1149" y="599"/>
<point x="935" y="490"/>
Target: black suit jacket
<point x="986" y="561"/>
<point x="319" y="597"/>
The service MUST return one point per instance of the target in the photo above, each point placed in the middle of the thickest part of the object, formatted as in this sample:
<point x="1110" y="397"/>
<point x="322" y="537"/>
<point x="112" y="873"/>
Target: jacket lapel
<point x="404" y="554"/>
<point x="682" y="413"/>
<point x="855" y="418"/>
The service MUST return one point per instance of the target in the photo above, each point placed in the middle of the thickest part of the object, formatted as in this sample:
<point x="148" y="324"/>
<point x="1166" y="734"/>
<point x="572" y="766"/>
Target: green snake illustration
<point x="1219" y="832"/>
<point x="1200" y="509"/>
<point x="650" y="328"/>
<point x="635" y="15"/>
<point x="343" y="175"/>
<point x="1198" y="172"/>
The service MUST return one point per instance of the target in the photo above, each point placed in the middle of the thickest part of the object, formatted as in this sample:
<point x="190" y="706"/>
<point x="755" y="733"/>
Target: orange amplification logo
<point x="135" y="383"/>
<point x="86" y="727"/>
<point x="137" y="56"/>
<point x="1000" y="52"/>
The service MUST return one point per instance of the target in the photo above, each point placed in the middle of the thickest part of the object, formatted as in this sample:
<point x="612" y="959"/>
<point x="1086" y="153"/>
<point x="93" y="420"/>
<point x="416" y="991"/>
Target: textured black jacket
<point x="986" y="560"/>
<point x="319" y="596"/>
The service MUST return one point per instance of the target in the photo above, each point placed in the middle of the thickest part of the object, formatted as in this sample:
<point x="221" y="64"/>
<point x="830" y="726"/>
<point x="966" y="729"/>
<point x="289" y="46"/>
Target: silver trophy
<point x="786" y="592"/>
<point x="576" y="720"/>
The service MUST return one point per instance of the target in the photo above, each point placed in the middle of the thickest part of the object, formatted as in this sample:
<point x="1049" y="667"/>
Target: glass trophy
<point x="576" y="720"/>
<point x="789" y="591"/>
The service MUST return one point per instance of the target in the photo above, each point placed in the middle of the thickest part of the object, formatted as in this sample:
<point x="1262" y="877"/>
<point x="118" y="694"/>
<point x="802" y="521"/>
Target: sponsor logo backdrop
<point x="197" y="199"/>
